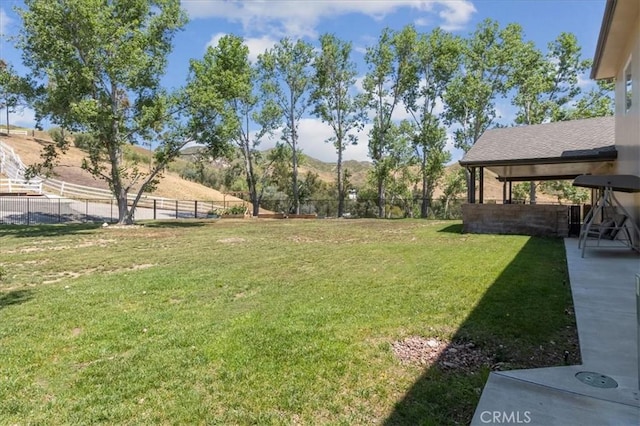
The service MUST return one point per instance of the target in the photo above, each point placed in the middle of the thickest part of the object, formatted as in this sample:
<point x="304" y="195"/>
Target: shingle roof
<point x="563" y="141"/>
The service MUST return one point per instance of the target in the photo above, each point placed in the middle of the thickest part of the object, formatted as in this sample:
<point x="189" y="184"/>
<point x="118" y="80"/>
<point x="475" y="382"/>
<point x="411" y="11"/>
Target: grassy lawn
<point x="270" y="322"/>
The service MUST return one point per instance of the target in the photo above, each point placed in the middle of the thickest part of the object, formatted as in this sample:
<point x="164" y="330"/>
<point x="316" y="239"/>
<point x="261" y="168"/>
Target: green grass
<point x="265" y="322"/>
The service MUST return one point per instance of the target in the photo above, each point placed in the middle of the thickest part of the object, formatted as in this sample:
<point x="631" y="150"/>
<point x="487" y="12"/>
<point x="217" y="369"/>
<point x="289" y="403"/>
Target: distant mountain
<point x="326" y="171"/>
<point x="357" y="170"/>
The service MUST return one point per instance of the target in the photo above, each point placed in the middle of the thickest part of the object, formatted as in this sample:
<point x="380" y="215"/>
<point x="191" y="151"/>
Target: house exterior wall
<point x="628" y="122"/>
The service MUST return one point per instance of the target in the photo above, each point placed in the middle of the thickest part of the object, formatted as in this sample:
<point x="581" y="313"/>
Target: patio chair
<point x="613" y="227"/>
<point x="608" y="219"/>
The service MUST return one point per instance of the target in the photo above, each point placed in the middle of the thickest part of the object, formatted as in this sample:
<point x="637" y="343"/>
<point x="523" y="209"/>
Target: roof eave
<point x="602" y="39"/>
<point x="603" y="156"/>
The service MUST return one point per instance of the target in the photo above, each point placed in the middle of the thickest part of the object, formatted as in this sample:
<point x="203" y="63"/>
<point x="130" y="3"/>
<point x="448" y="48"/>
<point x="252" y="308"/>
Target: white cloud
<point x="505" y="112"/>
<point x="312" y="137"/>
<point x="363" y="43"/>
<point x="400" y="113"/>
<point x="360" y="49"/>
<point x="422" y="22"/>
<point x="456" y="14"/>
<point x="5" y="22"/>
<point x="256" y="45"/>
<point x="215" y="39"/>
<point x="358" y="84"/>
<point x="584" y="82"/>
<point x="299" y="19"/>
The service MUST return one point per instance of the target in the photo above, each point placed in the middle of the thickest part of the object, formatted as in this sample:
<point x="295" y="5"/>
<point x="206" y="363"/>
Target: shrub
<point x="237" y="209"/>
<point x="57" y="134"/>
<point x="84" y="141"/>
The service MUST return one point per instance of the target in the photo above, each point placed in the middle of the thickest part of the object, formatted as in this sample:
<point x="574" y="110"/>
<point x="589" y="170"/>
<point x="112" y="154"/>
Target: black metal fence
<point x="27" y="210"/>
<point x="368" y="208"/>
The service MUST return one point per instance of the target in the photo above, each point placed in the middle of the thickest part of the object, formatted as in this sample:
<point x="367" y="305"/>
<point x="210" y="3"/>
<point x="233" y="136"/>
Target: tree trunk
<point x="532" y="192"/>
<point x="340" y="182"/>
<point x="381" y="197"/>
<point x="255" y="201"/>
<point x="296" y="196"/>
<point x="125" y="217"/>
<point x="424" y="208"/>
<point x="294" y="160"/>
<point x="250" y="178"/>
<point x="119" y="191"/>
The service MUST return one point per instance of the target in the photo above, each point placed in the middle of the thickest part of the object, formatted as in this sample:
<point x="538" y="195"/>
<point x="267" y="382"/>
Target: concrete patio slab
<point x="604" y="296"/>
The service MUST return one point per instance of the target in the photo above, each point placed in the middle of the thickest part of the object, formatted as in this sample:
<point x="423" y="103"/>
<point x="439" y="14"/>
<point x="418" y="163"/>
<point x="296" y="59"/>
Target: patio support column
<point x="510" y="192"/>
<point x="481" y="183"/>
<point x="504" y="192"/>
<point x="471" y="187"/>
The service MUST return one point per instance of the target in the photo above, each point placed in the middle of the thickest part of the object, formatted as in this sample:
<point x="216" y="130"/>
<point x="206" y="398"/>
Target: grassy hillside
<point x="69" y="169"/>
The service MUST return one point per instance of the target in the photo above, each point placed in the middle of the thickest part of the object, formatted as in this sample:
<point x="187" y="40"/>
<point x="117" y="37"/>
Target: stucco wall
<point x="524" y="219"/>
<point x="628" y="123"/>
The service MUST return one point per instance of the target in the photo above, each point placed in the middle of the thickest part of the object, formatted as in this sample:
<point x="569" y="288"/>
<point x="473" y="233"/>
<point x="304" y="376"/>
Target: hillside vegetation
<point x="358" y="174"/>
<point x="69" y="169"/>
<point x="173" y="186"/>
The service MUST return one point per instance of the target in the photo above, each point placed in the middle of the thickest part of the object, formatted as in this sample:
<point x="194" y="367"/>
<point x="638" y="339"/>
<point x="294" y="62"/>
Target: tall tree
<point x="97" y="66"/>
<point x="232" y="78"/>
<point x="400" y="165"/>
<point x="488" y="57"/>
<point x="286" y="79"/>
<point x="385" y="83"/>
<point x="546" y="86"/>
<point x="598" y="102"/>
<point x="335" y="75"/>
<point x="394" y="168"/>
<point x="436" y="59"/>
<point x="455" y="183"/>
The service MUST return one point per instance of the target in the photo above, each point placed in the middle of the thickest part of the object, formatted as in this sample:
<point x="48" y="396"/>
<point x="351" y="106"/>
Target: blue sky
<point x="263" y="23"/>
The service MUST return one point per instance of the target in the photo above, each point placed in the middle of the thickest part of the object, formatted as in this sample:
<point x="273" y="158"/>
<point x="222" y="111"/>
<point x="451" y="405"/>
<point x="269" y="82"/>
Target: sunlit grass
<point x="262" y="322"/>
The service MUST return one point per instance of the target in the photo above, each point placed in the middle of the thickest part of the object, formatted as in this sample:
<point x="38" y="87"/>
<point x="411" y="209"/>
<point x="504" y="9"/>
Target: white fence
<point x="20" y="186"/>
<point x="10" y="164"/>
<point x="3" y="130"/>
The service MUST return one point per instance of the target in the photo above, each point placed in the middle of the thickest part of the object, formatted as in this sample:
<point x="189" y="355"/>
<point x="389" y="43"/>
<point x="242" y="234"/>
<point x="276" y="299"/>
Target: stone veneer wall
<point x="525" y="219"/>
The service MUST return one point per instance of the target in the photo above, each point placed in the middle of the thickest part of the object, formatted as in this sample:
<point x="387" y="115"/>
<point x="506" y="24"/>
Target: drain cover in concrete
<point x="596" y="379"/>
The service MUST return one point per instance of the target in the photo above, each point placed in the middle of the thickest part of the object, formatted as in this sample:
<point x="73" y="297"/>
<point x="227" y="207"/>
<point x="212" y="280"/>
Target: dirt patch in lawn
<point x="232" y="240"/>
<point x="464" y="356"/>
<point x="59" y="276"/>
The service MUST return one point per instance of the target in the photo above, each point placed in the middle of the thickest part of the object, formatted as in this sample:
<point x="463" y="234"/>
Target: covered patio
<point x="552" y="151"/>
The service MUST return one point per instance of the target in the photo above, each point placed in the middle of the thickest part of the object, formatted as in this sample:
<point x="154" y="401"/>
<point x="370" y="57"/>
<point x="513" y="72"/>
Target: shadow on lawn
<point x="31" y="231"/>
<point x="174" y="224"/>
<point x="512" y="327"/>
<point x="15" y="297"/>
<point x="452" y="229"/>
